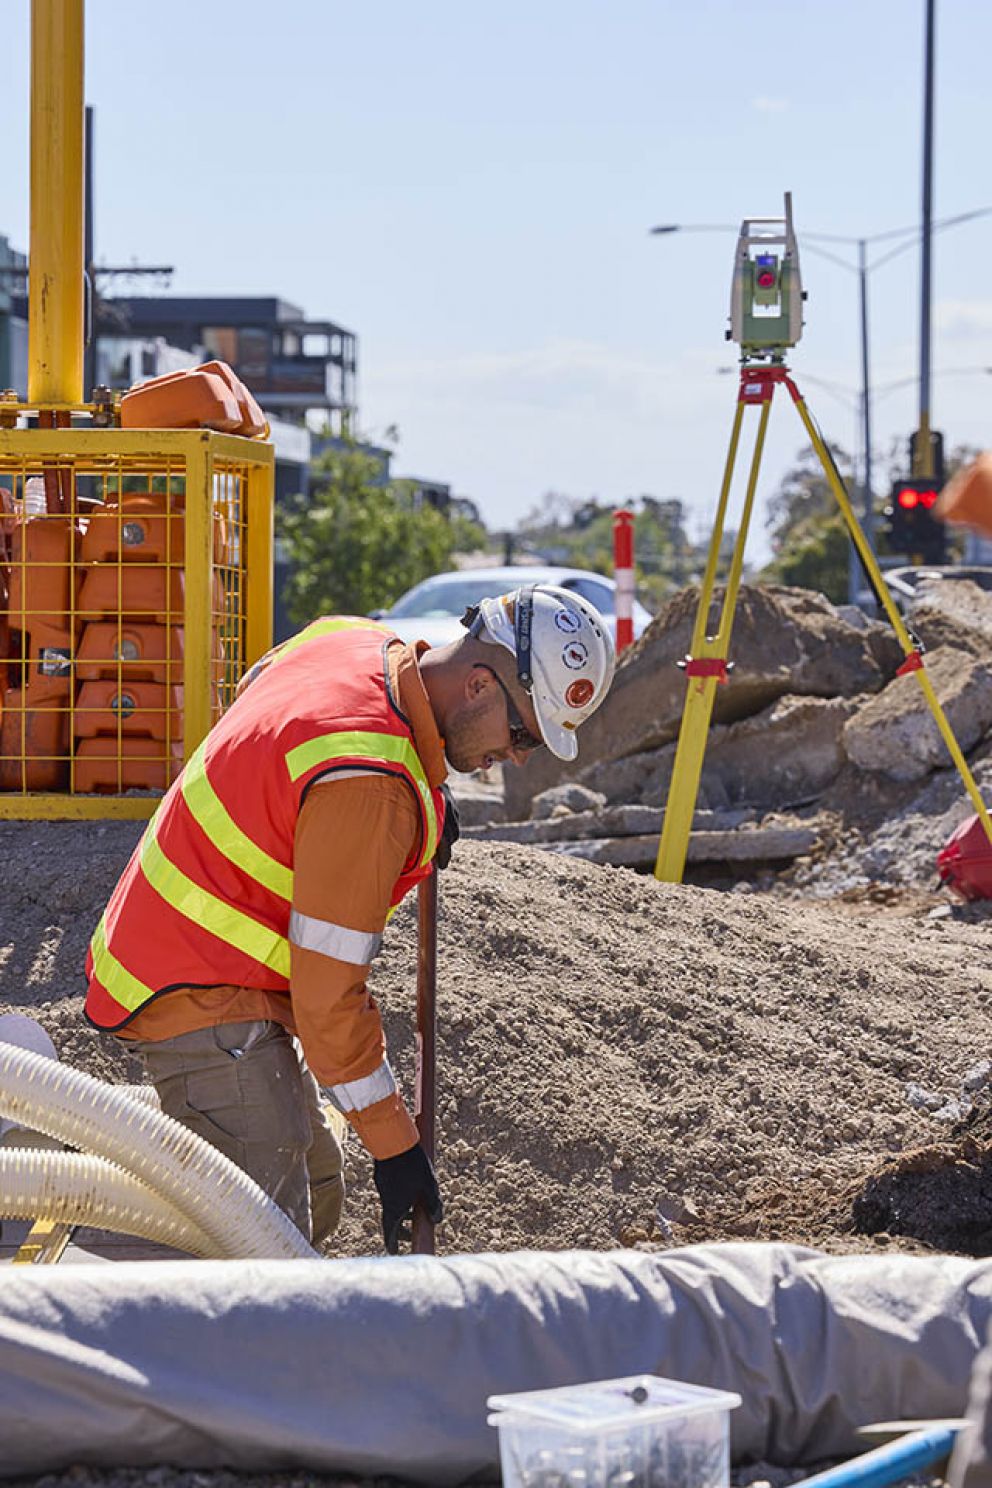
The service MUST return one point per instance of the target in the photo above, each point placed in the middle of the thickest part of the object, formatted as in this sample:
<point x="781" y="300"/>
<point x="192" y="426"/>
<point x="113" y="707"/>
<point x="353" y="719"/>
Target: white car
<point x="432" y="610"/>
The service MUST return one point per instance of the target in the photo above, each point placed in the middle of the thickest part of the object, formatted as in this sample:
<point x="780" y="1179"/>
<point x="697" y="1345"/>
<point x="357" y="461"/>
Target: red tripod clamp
<point x="758" y="384"/>
<point x="706" y="666"/>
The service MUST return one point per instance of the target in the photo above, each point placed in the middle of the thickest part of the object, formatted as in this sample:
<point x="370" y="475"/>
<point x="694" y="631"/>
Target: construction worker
<point x="234" y="951"/>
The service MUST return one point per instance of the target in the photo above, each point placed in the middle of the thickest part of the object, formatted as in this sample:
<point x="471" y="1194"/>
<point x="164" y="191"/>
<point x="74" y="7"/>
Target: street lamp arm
<point x="673" y="227"/>
<point x="825" y="253"/>
<point x="937" y="227"/>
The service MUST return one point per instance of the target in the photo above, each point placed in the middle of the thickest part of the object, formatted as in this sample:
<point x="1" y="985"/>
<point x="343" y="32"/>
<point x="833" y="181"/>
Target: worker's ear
<point x="478" y="682"/>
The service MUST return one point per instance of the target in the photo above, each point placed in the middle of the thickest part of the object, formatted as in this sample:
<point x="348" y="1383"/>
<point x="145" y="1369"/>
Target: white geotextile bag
<point x="384" y="1366"/>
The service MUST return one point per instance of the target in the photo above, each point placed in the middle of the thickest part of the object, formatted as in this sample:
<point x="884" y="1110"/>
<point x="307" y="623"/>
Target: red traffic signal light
<point x="909" y="497"/>
<point x="913" y="528"/>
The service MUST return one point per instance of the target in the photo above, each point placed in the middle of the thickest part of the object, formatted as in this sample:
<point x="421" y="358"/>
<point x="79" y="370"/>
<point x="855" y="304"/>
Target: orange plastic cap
<point x="967" y="497"/>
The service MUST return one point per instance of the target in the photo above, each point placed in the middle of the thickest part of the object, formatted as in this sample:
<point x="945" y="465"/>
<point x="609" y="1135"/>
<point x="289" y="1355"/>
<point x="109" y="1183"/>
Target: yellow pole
<point x="894" y="617"/>
<point x="701" y="691"/>
<point x="716" y="538"/>
<point x="258" y="507"/>
<point x="55" y="294"/>
<point x="199" y="576"/>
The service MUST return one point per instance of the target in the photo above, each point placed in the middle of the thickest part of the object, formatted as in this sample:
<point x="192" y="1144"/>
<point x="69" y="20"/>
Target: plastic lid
<point x="604" y="1403"/>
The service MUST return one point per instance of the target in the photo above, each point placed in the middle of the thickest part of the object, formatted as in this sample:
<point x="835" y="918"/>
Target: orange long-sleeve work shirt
<point x="354" y="834"/>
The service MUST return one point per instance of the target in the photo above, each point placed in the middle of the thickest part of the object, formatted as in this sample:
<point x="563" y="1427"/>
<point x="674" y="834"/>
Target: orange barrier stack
<point x="39" y="639"/>
<point x="128" y="715"/>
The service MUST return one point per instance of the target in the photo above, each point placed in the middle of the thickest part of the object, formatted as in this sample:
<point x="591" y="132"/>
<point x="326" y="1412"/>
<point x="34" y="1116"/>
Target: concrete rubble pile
<point x="816" y="741"/>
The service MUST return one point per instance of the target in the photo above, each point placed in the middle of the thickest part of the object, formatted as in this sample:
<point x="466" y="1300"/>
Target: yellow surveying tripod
<point x="766" y="317"/>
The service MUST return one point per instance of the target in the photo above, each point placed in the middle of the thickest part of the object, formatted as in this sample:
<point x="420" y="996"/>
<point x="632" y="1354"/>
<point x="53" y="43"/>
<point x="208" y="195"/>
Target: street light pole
<point x="868" y="515"/>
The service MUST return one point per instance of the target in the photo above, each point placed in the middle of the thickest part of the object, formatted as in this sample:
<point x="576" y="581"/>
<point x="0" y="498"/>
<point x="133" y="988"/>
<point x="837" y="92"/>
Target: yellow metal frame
<point x="205" y="461"/>
<point x="712" y="651"/>
<point x="44" y="1244"/>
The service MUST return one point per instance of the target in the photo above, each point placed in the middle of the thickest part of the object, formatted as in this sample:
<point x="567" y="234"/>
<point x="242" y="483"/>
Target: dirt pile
<point x="621" y="1062"/>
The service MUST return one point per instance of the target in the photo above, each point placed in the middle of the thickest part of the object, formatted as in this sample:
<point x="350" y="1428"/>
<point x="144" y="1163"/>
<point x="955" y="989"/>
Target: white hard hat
<point x="564" y="653"/>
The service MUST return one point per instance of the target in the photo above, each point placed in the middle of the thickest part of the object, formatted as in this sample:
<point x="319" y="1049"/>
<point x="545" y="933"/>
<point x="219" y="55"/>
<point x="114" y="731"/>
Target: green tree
<point x="808" y="534"/>
<point x="359" y="540"/>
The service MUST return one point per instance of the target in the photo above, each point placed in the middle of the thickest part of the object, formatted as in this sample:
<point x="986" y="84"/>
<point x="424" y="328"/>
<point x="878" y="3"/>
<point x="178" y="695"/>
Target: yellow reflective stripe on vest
<point x="361" y="745"/>
<point x="225" y="835"/>
<point x="326" y="627"/>
<point x="228" y="924"/>
<point x="123" y="987"/>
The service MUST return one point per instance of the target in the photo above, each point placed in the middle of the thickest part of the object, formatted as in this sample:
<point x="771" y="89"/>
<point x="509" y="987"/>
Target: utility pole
<point x="923" y="453"/>
<point x="868" y="515"/>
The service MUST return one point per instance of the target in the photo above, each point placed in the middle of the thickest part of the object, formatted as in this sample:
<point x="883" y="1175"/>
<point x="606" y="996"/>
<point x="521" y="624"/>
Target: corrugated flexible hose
<point x="222" y="1202"/>
<point x="78" y="1189"/>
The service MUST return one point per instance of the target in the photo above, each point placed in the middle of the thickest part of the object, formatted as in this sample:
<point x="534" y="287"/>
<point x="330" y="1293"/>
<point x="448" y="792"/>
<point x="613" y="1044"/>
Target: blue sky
<point x="469" y="187"/>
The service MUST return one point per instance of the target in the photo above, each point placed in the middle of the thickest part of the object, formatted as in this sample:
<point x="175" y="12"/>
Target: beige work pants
<point x="244" y="1088"/>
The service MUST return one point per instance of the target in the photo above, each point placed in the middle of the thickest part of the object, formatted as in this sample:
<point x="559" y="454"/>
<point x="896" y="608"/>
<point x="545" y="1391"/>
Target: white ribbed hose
<point x="76" y="1188"/>
<point x="201" y="1182"/>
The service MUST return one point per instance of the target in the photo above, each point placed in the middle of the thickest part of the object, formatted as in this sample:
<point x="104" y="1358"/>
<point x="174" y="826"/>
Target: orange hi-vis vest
<point x="206" y="898"/>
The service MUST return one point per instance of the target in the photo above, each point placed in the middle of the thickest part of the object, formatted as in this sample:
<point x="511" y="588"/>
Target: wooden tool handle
<point x="424" y="1112"/>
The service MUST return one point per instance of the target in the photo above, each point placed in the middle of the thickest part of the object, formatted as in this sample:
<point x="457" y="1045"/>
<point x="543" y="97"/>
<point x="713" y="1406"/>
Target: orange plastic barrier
<point x="148" y="710"/>
<point x="138" y="593"/>
<point x="253" y="420"/>
<point x="207" y="397"/>
<point x="182" y="400"/>
<point x="136" y="653"/>
<point x="143" y="528"/>
<point x="112" y="765"/>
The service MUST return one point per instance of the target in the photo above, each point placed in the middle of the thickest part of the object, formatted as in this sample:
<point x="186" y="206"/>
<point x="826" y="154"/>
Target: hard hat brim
<point x="561" y="741"/>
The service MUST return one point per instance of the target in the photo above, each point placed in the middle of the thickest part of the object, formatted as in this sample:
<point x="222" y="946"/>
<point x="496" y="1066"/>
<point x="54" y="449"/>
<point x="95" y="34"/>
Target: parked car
<point x="904" y="582"/>
<point x="432" y="610"/>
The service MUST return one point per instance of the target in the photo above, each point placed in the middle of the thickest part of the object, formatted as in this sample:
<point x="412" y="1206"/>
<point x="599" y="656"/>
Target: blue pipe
<point x="888" y="1464"/>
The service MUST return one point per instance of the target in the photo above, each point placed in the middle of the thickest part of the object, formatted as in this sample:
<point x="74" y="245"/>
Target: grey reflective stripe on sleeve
<point x="357" y="947"/>
<point x="357" y="1095"/>
<point x="331" y="775"/>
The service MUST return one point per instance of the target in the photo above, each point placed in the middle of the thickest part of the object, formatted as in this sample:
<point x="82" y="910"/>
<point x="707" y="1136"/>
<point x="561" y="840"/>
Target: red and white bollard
<point x="623" y="572"/>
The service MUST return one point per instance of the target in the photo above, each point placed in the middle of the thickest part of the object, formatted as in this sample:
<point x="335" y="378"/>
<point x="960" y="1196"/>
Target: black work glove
<point x="449" y="832"/>
<point x="402" y="1182"/>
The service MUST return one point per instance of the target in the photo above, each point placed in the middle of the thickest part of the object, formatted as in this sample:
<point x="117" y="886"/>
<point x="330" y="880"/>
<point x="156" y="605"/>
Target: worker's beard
<point x="468" y="738"/>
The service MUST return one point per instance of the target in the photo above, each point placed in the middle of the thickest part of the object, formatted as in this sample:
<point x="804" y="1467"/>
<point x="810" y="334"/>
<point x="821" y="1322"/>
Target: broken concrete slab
<point x="785" y="641"/>
<point x="755" y="845"/>
<point x="953" y="612"/>
<point x="787" y="753"/>
<point x="567" y="797"/>
<point x="618" y="821"/>
<point x="894" y="733"/>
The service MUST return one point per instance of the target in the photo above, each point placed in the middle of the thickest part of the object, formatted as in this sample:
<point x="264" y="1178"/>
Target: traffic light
<point x="766" y="272"/>
<point x="912" y="527"/>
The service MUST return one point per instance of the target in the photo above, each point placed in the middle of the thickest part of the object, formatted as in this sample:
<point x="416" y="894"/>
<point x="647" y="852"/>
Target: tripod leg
<point x="911" y="652"/>
<point x="706" y="666"/>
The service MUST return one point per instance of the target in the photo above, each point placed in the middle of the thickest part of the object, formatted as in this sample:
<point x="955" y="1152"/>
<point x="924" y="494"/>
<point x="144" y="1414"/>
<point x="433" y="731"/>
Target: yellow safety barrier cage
<point x="135" y="589"/>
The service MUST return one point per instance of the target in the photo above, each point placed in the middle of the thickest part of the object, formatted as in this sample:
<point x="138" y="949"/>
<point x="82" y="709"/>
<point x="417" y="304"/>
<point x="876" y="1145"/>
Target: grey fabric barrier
<point x="384" y="1366"/>
<point x="971" y="1461"/>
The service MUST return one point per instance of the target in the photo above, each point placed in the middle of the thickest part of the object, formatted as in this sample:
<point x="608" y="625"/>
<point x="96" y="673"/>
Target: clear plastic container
<point x="35" y="499"/>
<point x="639" y="1432"/>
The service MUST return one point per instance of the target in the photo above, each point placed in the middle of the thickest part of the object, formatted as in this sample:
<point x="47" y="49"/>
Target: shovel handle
<point x="425" y="1104"/>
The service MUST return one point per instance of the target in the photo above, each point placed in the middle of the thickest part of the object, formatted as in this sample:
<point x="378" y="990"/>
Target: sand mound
<point x="621" y="1061"/>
